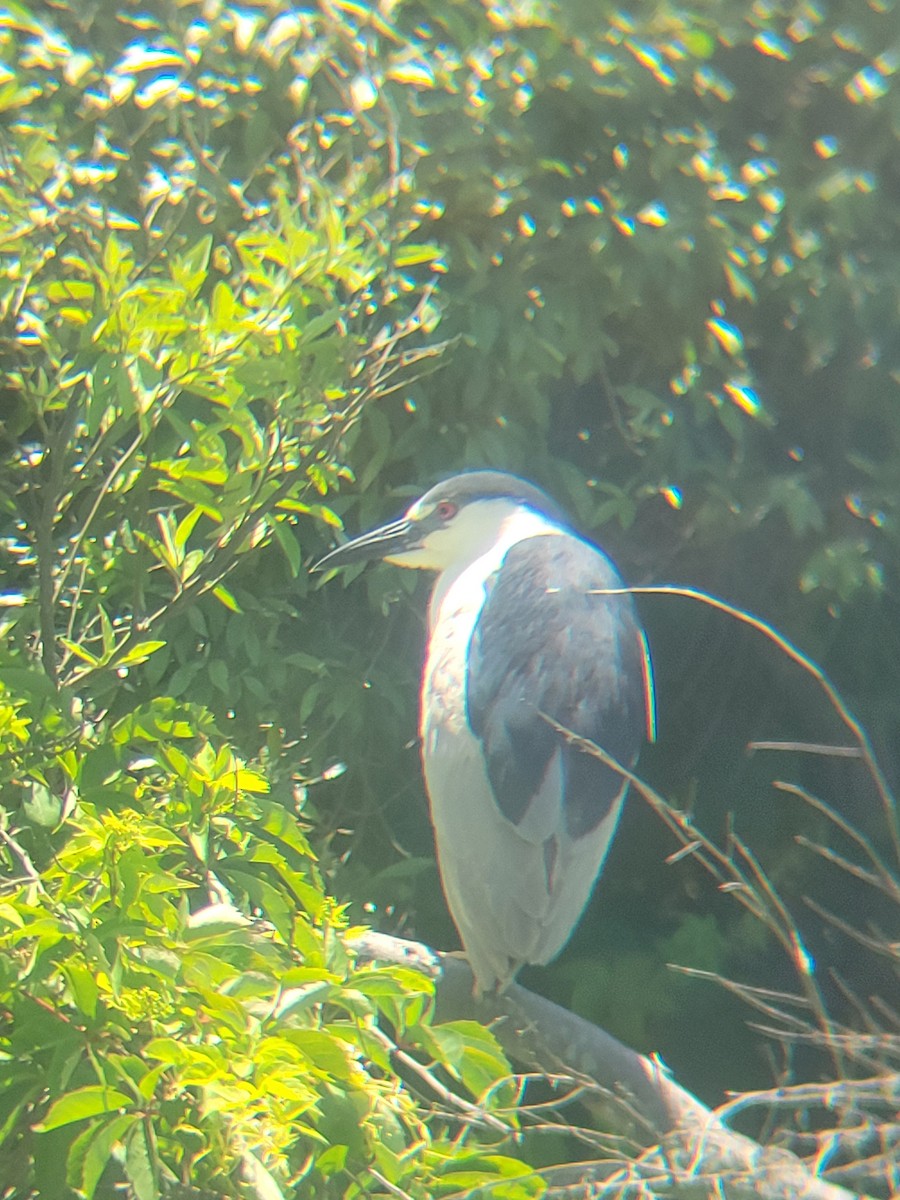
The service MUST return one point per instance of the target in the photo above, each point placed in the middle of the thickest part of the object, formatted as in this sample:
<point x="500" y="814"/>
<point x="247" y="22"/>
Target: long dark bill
<point x="389" y="539"/>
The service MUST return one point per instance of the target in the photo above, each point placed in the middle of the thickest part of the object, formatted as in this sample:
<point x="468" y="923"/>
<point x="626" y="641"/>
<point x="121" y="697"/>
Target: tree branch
<point x="688" y="1144"/>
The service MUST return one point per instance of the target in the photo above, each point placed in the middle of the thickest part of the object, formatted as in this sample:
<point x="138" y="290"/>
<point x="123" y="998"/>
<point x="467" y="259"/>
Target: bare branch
<point x="795" y="654"/>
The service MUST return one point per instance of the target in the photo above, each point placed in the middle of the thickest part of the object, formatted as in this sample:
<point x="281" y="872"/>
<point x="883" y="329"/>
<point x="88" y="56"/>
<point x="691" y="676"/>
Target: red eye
<point x="446" y="510"/>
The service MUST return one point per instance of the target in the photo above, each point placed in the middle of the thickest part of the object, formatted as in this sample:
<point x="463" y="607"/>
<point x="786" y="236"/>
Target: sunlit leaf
<point x="224" y="596"/>
<point x="91" y="1152"/>
<point x="260" y="1181"/>
<point x="138" y="653"/>
<point x="82" y="1103"/>
<point x="139" y="1166"/>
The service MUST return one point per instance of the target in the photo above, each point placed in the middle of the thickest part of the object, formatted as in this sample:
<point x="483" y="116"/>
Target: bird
<point x="532" y="638"/>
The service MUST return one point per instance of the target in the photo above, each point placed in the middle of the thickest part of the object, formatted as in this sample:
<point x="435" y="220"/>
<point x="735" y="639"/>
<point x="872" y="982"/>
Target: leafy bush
<point x="201" y="292"/>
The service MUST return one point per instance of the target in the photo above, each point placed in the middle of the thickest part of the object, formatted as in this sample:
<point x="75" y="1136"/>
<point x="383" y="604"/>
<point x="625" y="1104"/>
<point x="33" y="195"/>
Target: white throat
<point x="462" y="582"/>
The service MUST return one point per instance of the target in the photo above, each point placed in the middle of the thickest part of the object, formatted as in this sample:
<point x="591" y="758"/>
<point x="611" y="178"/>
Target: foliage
<point x="191" y="322"/>
<point x="642" y="205"/>
<point x="200" y="294"/>
<point x="155" y="1035"/>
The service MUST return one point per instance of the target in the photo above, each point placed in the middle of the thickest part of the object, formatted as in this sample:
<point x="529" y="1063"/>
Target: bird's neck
<point x="462" y="583"/>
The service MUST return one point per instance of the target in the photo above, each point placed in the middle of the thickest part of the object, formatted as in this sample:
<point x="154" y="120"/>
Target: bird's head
<point x="454" y="522"/>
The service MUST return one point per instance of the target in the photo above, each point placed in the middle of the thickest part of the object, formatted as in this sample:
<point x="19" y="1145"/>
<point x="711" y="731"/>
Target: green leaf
<point x="108" y="636"/>
<point x="139" y="653"/>
<point x="325" y="514"/>
<point x="414" y="255"/>
<point x="82" y="1103"/>
<point x="40" y="806"/>
<point x="92" y="1150"/>
<point x="224" y="596"/>
<point x="172" y="553"/>
<point x="259" y="1179"/>
<point x="470" y="1052"/>
<point x="699" y="43"/>
<point x="139" y="1167"/>
<point x="331" y="1161"/>
<point x="320" y="324"/>
<point x="185" y="527"/>
<point x="218" y="673"/>
<point x="247" y="780"/>
<point x="190" y="269"/>
<point x="325" y="1052"/>
<point x="80" y="652"/>
<point x="83" y="985"/>
<point x="290" y="547"/>
<point x="70" y="289"/>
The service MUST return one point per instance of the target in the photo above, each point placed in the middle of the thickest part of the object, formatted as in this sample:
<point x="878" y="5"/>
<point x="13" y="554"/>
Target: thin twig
<point x="796" y="655"/>
<point x="22" y="855"/>
<point x="102" y="492"/>
<point x="889" y="884"/>
<point x="475" y="1113"/>
<point x="809" y="748"/>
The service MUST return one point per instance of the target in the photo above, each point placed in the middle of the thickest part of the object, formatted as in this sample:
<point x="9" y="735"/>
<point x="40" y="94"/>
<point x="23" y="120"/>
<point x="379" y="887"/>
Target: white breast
<point x="494" y="874"/>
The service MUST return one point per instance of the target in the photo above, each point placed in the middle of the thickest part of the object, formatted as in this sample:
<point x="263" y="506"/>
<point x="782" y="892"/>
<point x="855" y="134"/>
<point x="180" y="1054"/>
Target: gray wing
<point x="545" y="642"/>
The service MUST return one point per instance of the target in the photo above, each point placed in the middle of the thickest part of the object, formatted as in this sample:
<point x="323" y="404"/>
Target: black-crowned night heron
<point x="524" y="638"/>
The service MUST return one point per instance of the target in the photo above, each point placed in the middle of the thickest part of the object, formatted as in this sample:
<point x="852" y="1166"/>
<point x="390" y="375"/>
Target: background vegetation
<point x="264" y="270"/>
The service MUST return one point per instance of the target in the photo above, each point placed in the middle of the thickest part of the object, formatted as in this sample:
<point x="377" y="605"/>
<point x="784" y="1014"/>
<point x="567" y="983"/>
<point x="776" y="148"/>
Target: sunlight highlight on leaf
<point x="727" y="335"/>
<point x="826" y="146"/>
<point x="655" y="214"/>
<point x="745" y="398"/>
<point x="774" y="46"/>
<point x="414" y="71"/>
<point x="866" y="86"/>
<point x="363" y="92"/>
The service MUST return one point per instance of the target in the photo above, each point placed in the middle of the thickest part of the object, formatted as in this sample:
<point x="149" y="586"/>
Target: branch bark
<point x="690" y="1151"/>
<point x="47" y="501"/>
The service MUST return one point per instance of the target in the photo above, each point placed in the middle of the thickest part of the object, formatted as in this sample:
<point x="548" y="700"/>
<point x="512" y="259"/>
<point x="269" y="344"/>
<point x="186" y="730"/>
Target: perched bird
<point x="522" y="641"/>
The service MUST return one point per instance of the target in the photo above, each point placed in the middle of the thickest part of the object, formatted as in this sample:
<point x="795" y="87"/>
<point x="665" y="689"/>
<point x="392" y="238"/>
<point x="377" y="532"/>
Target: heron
<point x="534" y="650"/>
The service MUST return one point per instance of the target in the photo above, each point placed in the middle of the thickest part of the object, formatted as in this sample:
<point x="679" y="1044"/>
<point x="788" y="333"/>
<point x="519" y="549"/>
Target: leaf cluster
<point x="155" y="1037"/>
<point x="205" y="281"/>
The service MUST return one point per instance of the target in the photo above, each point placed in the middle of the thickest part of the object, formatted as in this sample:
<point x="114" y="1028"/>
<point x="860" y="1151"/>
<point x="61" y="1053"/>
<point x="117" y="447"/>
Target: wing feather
<point x="546" y="642"/>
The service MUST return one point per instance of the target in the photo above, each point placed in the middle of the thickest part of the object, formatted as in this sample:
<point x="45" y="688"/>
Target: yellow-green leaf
<point x="139" y="653"/>
<point x="225" y="597"/>
<point x="83" y="1102"/>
